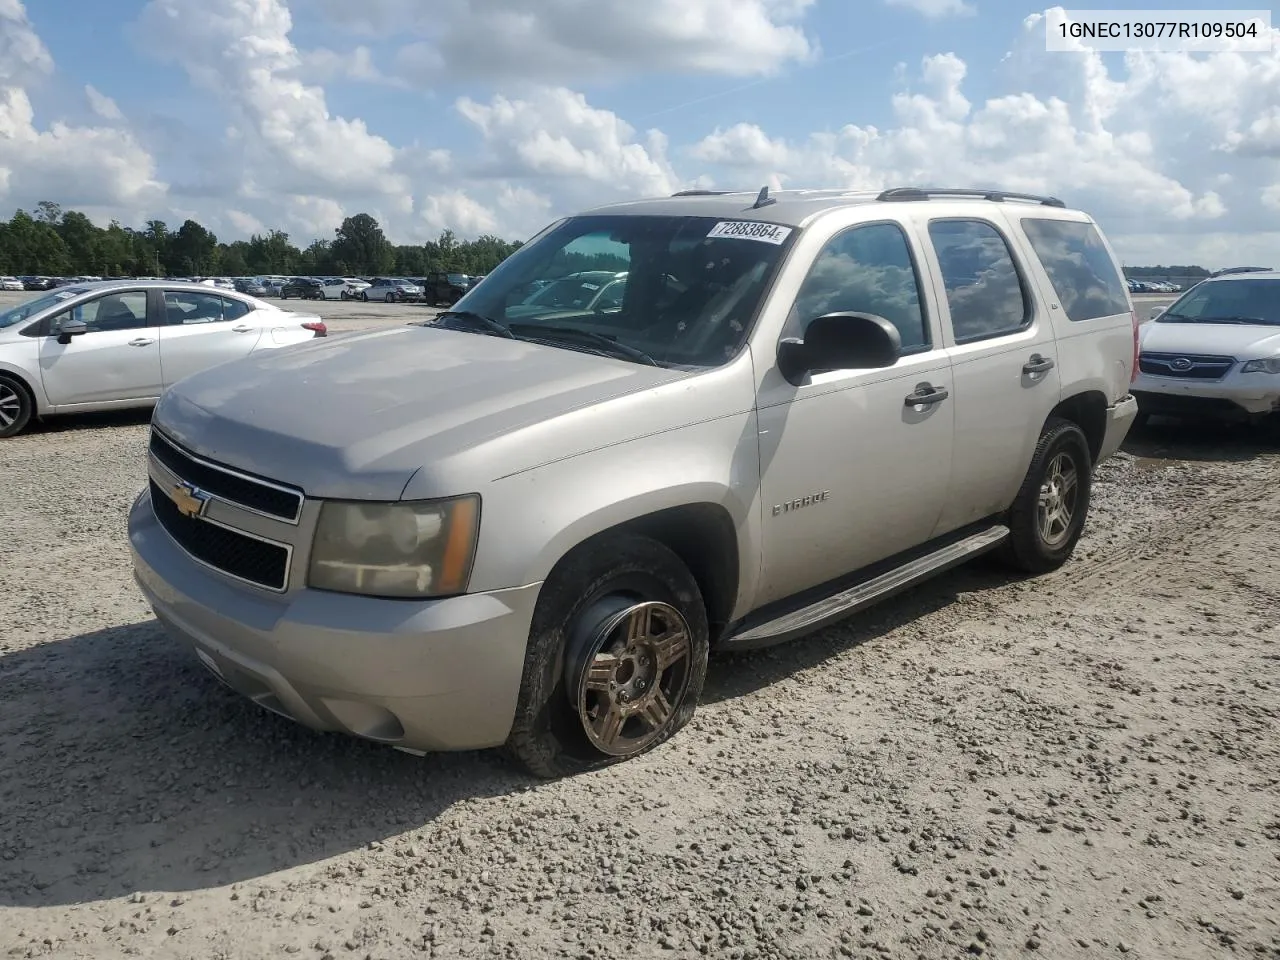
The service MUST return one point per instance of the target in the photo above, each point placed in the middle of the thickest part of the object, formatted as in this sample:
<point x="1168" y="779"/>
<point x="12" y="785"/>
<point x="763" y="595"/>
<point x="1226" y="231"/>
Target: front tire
<point x="16" y="407"/>
<point x="616" y="660"/>
<point x="1048" y="515"/>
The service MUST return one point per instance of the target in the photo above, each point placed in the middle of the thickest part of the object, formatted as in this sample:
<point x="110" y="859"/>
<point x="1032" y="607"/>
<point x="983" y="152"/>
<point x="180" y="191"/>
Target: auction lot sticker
<point x="747" y="230"/>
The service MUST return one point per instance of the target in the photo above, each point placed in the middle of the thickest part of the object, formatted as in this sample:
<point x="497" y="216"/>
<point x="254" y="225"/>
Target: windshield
<point x="38" y="304"/>
<point x="1241" y="300"/>
<point x="682" y="291"/>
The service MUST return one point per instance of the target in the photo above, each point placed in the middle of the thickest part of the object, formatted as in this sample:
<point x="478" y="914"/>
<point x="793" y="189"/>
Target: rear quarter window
<point x="1078" y="265"/>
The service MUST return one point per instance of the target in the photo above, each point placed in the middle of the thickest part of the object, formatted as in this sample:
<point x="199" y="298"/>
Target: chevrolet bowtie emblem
<point x="190" y="500"/>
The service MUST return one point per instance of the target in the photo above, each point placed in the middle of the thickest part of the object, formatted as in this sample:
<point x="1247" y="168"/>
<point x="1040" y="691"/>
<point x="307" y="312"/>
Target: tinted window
<point x="983" y="288"/>
<point x="233" y="309"/>
<point x="1082" y="272"/>
<point x="866" y="269"/>
<point x="115" y="311"/>
<point x="192" y="307"/>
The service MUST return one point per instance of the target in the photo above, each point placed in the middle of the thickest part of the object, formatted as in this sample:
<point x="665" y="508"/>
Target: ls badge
<point x="792" y="505"/>
<point x="189" y="499"/>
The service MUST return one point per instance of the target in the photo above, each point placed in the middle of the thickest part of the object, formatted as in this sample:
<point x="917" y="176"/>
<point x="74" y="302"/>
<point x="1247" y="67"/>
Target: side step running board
<point x="830" y="609"/>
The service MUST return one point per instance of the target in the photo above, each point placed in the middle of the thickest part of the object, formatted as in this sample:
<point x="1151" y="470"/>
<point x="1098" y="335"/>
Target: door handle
<point x="1038" y="364"/>
<point x="243" y="328"/>
<point x="142" y="342"/>
<point x="926" y="395"/>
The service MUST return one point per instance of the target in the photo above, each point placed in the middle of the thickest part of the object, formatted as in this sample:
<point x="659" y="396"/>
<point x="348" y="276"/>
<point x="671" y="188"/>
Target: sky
<point x="497" y="116"/>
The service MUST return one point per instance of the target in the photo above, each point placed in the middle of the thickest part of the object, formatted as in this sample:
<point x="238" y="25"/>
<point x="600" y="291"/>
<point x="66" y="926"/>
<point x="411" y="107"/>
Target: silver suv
<point x="531" y="527"/>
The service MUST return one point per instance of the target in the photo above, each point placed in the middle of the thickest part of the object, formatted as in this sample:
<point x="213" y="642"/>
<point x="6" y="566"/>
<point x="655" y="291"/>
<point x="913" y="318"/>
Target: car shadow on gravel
<point x="124" y="767"/>
<point x="732" y="675"/>
<point x="135" y="417"/>
<point x="1164" y="439"/>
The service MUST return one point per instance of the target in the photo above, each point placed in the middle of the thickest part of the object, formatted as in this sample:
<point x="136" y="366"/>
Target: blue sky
<point x="494" y="115"/>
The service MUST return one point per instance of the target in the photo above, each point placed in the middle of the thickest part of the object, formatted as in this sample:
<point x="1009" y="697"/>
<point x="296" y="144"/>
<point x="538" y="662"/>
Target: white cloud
<point x="553" y="133"/>
<point x="323" y="65"/>
<point x="240" y="51"/>
<point x="100" y="169"/>
<point x="101" y="104"/>
<point x="554" y="41"/>
<point x="935" y="9"/>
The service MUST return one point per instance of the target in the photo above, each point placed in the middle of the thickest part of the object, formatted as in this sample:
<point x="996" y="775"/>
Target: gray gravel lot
<point x="1082" y="765"/>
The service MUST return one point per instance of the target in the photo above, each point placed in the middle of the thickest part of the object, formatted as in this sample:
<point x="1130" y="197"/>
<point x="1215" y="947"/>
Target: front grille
<point x="233" y="486"/>
<point x="240" y="555"/>
<point x="1191" y="366"/>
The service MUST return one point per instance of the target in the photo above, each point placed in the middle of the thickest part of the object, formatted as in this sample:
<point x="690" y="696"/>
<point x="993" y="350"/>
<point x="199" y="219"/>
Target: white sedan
<point x="120" y="343"/>
<point x="1215" y="352"/>
<point x="11" y="283"/>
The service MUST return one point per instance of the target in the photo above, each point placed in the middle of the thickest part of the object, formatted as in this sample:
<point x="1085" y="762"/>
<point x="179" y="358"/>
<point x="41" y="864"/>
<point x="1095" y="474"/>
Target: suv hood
<point x="357" y="416"/>
<point x="1242" y="341"/>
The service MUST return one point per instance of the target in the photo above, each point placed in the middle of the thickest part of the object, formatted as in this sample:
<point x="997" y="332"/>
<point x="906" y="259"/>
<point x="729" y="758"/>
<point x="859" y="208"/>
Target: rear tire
<point x="616" y="660"/>
<point x="16" y="406"/>
<point x="1048" y="515"/>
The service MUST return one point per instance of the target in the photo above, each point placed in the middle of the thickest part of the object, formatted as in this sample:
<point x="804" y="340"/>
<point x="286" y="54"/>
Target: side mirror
<point x="1155" y="312"/>
<point x="71" y="328"/>
<point x="840" y="341"/>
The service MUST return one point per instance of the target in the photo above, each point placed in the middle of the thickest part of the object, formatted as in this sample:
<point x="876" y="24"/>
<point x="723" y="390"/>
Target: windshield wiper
<point x="496" y="327"/>
<point x="607" y="344"/>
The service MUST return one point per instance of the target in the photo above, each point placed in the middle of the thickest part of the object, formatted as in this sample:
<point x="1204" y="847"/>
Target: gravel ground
<point x="1082" y="765"/>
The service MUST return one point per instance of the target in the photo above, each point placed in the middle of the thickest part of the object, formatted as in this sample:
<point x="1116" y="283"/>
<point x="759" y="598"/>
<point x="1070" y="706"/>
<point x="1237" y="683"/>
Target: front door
<point x="202" y="330"/>
<point x="1003" y="363"/>
<point x="116" y="359"/>
<point x="855" y="464"/>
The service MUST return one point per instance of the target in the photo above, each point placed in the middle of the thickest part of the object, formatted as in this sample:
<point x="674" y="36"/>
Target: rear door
<point x="202" y="329"/>
<point x="1089" y="303"/>
<point x="117" y="359"/>
<point x="1003" y="361"/>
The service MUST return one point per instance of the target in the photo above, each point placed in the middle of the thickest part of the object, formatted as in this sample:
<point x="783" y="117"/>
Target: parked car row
<point x="438" y="289"/>
<point x="1152" y="286"/>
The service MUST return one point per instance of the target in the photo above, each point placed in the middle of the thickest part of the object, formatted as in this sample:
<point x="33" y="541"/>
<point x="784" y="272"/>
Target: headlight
<point x="1262" y="366"/>
<point x="416" y="549"/>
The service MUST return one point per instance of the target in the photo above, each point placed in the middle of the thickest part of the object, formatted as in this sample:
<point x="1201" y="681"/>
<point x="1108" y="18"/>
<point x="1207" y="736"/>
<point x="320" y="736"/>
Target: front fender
<point x="31" y="377"/>
<point x="532" y="519"/>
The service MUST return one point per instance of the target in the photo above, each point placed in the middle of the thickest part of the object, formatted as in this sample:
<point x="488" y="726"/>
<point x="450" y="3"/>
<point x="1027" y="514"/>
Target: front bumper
<point x="1235" y="395"/>
<point x="420" y="675"/>
<point x="1120" y="417"/>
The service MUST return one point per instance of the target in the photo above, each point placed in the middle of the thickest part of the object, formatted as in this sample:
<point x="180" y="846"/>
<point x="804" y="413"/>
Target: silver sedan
<point x="118" y="344"/>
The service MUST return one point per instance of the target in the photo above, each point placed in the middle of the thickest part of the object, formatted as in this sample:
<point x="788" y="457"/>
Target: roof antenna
<point x="762" y="198"/>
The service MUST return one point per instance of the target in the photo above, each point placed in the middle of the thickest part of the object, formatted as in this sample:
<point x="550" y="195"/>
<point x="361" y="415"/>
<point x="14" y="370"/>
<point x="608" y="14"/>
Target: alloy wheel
<point x="1059" y="494"/>
<point x="635" y="677"/>
<point x="10" y="405"/>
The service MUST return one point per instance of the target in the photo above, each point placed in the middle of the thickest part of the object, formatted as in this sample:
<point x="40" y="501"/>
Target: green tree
<point x="48" y="212"/>
<point x="192" y="251"/>
<point x="362" y="246"/>
<point x="83" y="241"/>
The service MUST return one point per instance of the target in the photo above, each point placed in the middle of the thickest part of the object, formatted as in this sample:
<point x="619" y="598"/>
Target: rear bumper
<point x="1120" y="417"/>
<point x="423" y="675"/>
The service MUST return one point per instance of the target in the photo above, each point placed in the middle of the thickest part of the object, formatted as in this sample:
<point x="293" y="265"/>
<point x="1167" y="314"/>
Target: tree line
<point x="54" y="242"/>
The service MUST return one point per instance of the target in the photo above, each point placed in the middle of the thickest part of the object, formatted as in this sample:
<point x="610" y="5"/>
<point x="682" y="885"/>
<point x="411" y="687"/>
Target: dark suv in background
<point x="444" y="289"/>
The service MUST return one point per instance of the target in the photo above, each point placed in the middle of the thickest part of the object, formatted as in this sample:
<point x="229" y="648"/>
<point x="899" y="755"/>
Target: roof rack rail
<point x="997" y="196"/>
<point x="702" y="193"/>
